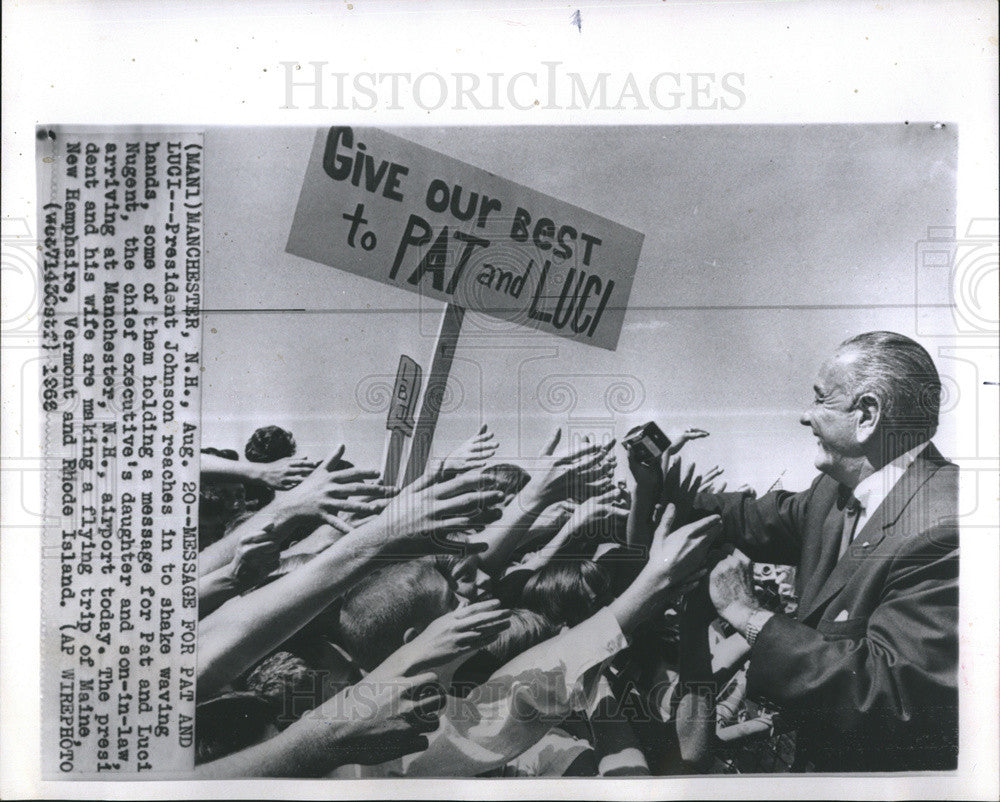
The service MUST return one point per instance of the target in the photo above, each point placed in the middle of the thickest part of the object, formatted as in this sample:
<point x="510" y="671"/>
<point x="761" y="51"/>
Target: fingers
<point x="335" y="505"/>
<point x="667" y="521"/>
<point x="339" y="524"/>
<point x="482" y="635"/>
<point x="299" y="470"/>
<point x="550" y="447"/>
<point x="483" y="447"/>
<point x="359" y="489"/>
<point x="334" y="458"/>
<point x="712" y="474"/>
<point x="585" y="450"/>
<point x="482" y="618"/>
<point x="710" y="523"/>
<point x="607" y="497"/>
<point x="688" y="478"/>
<point x="475" y="608"/>
<point x="462" y="483"/>
<point x="353" y="475"/>
<point x="467" y="502"/>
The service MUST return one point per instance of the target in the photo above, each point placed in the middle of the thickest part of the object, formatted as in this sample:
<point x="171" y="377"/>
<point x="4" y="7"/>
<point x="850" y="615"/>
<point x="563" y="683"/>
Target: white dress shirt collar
<point x="872" y="490"/>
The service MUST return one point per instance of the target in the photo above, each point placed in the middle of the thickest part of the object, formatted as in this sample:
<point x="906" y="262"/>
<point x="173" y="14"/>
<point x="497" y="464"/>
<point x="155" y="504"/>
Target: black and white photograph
<point x="632" y="452"/>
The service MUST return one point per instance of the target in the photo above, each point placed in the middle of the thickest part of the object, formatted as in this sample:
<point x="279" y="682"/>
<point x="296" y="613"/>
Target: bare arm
<point x="370" y="722"/>
<point x="245" y="629"/>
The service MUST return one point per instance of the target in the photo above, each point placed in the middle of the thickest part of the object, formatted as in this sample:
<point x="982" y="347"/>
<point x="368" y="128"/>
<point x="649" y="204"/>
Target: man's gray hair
<point x="901" y="374"/>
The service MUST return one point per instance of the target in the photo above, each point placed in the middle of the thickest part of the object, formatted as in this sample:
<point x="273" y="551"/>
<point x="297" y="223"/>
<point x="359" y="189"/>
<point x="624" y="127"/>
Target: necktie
<point x="852" y="511"/>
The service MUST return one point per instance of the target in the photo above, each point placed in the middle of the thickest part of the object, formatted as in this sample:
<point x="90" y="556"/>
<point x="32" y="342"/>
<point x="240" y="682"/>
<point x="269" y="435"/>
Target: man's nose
<point x="806" y="418"/>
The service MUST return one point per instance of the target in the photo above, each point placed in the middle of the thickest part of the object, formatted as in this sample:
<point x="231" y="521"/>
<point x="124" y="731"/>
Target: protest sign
<point x="382" y="207"/>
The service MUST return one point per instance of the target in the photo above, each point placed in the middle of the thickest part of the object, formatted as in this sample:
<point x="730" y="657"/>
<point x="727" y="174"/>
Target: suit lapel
<point x="878" y="527"/>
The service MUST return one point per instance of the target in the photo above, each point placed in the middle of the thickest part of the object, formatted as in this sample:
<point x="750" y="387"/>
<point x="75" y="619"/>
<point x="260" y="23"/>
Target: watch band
<point x="756" y="624"/>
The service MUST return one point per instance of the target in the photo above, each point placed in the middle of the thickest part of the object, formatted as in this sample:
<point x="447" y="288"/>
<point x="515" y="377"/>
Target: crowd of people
<point x="534" y="617"/>
<point x="490" y="619"/>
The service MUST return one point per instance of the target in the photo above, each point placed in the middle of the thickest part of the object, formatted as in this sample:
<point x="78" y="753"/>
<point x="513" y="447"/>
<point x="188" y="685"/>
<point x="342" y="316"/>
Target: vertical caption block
<point x="121" y="256"/>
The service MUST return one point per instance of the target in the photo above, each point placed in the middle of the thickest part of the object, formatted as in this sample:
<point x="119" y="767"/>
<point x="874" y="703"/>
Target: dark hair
<point x="900" y="373"/>
<point x="510" y="478"/>
<point x="225" y="453"/>
<point x="527" y="628"/>
<point x="568" y="591"/>
<point x="228" y="724"/>
<point x="269" y="443"/>
<point x="288" y="685"/>
<point x="218" y="505"/>
<point x="377" y="611"/>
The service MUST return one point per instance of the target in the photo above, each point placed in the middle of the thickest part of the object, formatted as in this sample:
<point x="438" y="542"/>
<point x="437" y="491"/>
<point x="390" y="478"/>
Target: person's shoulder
<point x="941" y="485"/>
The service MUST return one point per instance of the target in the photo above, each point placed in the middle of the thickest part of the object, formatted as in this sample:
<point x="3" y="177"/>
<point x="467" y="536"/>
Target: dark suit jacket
<point x="868" y="671"/>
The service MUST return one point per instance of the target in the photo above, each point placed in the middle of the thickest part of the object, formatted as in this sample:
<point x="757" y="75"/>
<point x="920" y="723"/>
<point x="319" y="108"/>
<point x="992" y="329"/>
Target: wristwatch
<point x="756" y="623"/>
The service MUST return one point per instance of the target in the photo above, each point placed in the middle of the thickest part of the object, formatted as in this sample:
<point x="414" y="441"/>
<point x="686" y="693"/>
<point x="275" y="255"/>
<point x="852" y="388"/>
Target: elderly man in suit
<point x="867" y="670"/>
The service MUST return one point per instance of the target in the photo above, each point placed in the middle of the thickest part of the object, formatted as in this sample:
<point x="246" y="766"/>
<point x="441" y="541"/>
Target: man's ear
<point x="869" y="416"/>
<point x="410" y="634"/>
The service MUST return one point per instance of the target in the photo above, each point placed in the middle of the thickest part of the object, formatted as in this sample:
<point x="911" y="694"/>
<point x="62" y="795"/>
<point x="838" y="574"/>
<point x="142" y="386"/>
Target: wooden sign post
<point x="399" y="421"/>
<point x="437" y="382"/>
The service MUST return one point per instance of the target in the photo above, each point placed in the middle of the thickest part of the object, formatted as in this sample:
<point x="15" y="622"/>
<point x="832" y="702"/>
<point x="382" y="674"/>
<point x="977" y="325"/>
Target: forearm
<point x="638" y="528"/>
<point x="616" y="747"/>
<point x="220" y="469"/>
<point x="214" y="590"/>
<point x="308" y="748"/>
<point x="503" y="536"/>
<point x="695" y="717"/>
<point x="316" y="541"/>
<point x="640" y="600"/>
<point x="767" y="529"/>
<point x="282" y="521"/>
<point x="245" y="629"/>
<point x="696" y="728"/>
<point x="220" y="553"/>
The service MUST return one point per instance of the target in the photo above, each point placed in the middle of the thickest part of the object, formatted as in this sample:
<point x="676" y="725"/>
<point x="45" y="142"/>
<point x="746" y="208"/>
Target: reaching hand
<point x="711" y="475"/>
<point x="731" y="586"/>
<point x="257" y="555"/>
<point x="380" y="719"/>
<point x="595" y="515"/>
<point x="578" y="474"/>
<point x="675" y="565"/>
<point x="648" y="476"/>
<point x="447" y="641"/>
<point x="675" y="556"/>
<point x="418" y="520"/>
<point x="677" y="442"/>
<point x="284" y="474"/>
<point x="680" y="491"/>
<point x="326" y="492"/>
<point x="553" y="517"/>
<point x="471" y="455"/>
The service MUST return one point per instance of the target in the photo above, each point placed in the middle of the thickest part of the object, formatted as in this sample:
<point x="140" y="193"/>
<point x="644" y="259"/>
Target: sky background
<point x="764" y="247"/>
